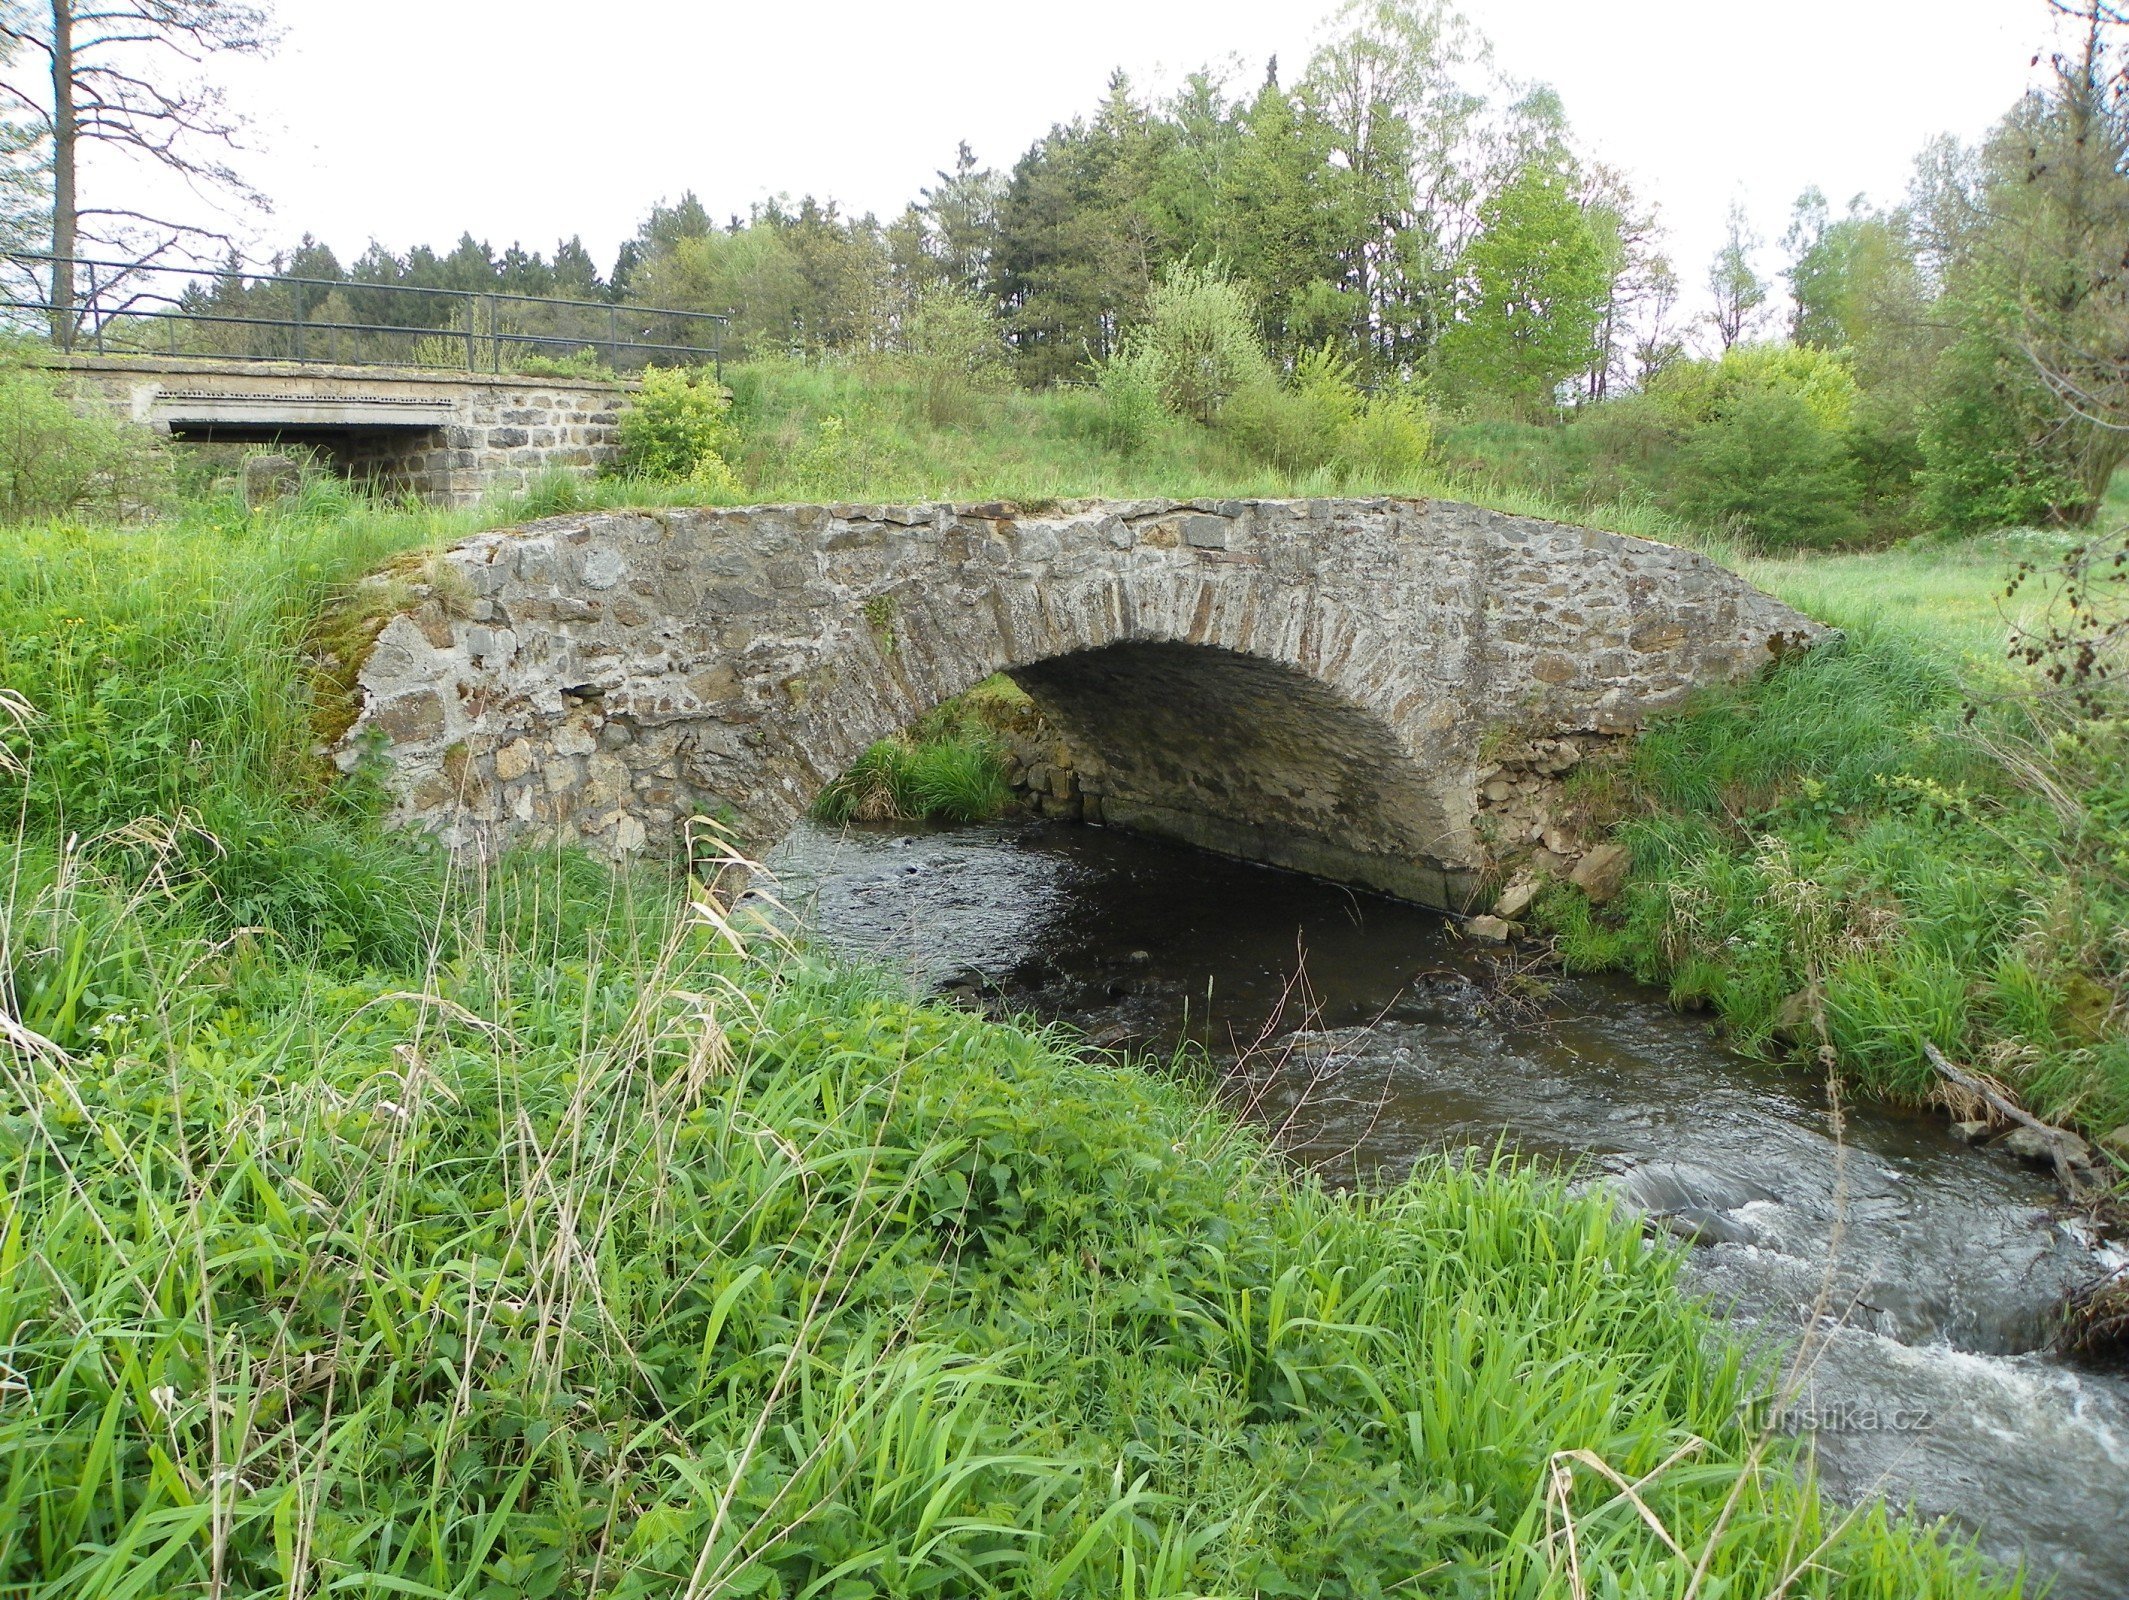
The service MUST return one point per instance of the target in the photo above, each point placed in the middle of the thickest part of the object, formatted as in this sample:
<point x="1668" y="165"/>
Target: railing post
<point x="472" y="320"/>
<point x="298" y="288"/>
<point x="95" y="309"/>
<point x="495" y="331"/>
<point x="613" y="337"/>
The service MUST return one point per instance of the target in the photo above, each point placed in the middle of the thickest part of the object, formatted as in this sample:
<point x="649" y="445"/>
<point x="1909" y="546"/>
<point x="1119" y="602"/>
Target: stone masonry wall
<point x="501" y="433"/>
<point x="1308" y="683"/>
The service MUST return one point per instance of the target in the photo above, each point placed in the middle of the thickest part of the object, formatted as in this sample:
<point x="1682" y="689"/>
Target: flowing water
<point x="1367" y="1036"/>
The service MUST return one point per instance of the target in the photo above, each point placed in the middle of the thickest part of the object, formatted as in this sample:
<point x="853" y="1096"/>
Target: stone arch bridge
<point x="1310" y="683"/>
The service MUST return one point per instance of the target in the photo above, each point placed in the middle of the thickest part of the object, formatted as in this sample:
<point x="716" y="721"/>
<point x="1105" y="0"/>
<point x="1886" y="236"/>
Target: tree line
<point x="1401" y="221"/>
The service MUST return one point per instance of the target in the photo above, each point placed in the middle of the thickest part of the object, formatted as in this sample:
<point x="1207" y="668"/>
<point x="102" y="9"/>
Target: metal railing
<point x="121" y="308"/>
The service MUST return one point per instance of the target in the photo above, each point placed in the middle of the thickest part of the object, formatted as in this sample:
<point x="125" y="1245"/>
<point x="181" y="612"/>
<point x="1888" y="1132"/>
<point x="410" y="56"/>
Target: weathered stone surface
<point x="449" y="437"/>
<point x="1602" y="873"/>
<point x="1307" y="683"/>
<point x="1516" y="898"/>
<point x="2031" y="1144"/>
<point x="270" y="478"/>
<point x="1490" y="930"/>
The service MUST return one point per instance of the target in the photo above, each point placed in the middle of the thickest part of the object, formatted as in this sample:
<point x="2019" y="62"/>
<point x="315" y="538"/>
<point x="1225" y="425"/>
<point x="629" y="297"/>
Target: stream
<point x="1366" y="1035"/>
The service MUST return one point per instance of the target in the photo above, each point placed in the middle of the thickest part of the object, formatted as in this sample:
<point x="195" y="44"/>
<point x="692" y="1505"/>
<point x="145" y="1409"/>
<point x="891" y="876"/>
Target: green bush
<point x="1698" y="392"/>
<point x="1132" y="408"/>
<point x="951" y="350"/>
<point x="678" y="426"/>
<point x="1387" y="440"/>
<point x="1322" y="421"/>
<point x="57" y="457"/>
<point x="1767" y="468"/>
<point x="583" y="363"/>
<point x="1985" y="444"/>
<point x="1200" y="337"/>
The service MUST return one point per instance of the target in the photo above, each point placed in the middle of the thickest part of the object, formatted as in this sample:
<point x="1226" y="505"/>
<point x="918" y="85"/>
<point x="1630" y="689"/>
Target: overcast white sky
<point x="410" y="120"/>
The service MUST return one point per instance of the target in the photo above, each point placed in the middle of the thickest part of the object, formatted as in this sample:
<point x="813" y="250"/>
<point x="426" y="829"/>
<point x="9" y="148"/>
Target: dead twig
<point x="2062" y="1144"/>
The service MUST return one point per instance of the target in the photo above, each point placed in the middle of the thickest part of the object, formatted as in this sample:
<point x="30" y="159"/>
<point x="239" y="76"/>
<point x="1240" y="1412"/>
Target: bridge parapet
<point x="1312" y="684"/>
<point x="448" y="437"/>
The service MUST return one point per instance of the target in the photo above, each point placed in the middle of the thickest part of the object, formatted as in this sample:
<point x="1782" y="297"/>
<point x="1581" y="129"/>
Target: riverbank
<point x="372" y="1225"/>
<point x="1884" y="846"/>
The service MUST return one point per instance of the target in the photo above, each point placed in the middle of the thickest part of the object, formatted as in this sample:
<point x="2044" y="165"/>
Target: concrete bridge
<point x="1316" y="684"/>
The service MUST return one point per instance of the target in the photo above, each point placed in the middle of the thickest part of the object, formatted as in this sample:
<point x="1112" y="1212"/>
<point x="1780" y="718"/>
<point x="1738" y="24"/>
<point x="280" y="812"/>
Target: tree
<point x="1739" y="292"/>
<point x="1077" y="249"/>
<point x="2028" y="418"/>
<point x="1278" y="218"/>
<point x="960" y="218"/>
<point x="1641" y="290"/>
<point x="122" y="80"/>
<point x="1389" y="85"/>
<point x="1537" y="278"/>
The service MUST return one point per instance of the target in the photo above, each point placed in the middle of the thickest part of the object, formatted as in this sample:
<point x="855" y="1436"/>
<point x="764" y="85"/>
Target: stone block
<point x="1206" y="533"/>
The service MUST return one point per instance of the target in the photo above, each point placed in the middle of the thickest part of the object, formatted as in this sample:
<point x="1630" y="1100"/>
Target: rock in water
<point x="2030" y="1144"/>
<point x="1489" y="930"/>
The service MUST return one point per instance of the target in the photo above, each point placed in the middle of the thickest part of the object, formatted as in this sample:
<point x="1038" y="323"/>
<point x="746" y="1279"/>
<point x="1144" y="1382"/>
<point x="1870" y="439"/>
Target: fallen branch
<point x="2061" y="1143"/>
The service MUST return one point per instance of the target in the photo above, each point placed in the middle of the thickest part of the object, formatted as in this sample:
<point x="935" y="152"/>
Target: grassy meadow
<point x="377" y="1225"/>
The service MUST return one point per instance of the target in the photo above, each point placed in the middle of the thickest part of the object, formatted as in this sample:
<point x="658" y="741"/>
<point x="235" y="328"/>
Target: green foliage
<point x="1130" y="385"/>
<point x="1845" y="831"/>
<point x="58" y="457"/>
<point x="949" y="768"/>
<point x="1765" y="467"/>
<point x="1761" y="443"/>
<point x="598" y="1261"/>
<point x="1990" y="455"/>
<point x="1387" y="443"/>
<point x="584" y="363"/>
<point x="1697" y="392"/>
<point x="676" y="426"/>
<point x="172" y="721"/>
<point x="1321" y="421"/>
<point x="950" y="348"/>
<point x="1538" y="277"/>
<point x="1200" y="341"/>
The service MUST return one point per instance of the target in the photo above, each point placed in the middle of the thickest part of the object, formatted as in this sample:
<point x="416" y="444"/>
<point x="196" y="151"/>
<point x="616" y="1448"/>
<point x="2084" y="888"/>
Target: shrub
<point x="1387" y="440"/>
<point x="1985" y="443"/>
<point x="1768" y="468"/>
<point x="56" y="458"/>
<point x="1200" y="336"/>
<point x="1323" y="421"/>
<point x="1281" y="427"/>
<point x="582" y="363"/>
<point x="1697" y="392"/>
<point x="678" y="420"/>
<point x="950" y="349"/>
<point x="1132" y="407"/>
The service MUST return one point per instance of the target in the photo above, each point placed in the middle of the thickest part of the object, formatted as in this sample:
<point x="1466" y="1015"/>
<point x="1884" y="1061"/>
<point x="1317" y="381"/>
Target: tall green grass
<point x="597" y="1258"/>
<point x="373" y="1225"/>
<point x="949" y="767"/>
<point x="1887" y="845"/>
